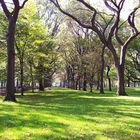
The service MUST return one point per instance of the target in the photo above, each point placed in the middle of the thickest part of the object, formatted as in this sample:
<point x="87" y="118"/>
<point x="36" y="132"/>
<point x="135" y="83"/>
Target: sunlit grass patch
<point x="60" y="114"/>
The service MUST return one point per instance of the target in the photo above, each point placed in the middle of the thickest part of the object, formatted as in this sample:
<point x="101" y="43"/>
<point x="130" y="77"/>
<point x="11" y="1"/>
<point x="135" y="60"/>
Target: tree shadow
<point x="59" y="111"/>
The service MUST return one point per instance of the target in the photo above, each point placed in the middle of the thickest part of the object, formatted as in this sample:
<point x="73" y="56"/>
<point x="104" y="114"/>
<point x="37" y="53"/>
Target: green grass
<point x="71" y="115"/>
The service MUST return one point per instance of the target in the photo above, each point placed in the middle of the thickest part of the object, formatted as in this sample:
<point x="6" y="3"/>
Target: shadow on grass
<point x="69" y="114"/>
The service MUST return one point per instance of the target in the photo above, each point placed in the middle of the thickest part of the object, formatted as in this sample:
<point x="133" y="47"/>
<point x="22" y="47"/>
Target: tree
<point x="12" y="19"/>
<point x="107" y="36"/>
<point x="26" y="35"/>
<point x="80" y="52"/>
<point x="21" y="44"/>
<point x="132" y="67"/>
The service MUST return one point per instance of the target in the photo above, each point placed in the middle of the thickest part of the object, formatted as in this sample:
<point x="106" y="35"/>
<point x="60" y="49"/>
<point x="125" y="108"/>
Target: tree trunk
<point x="64" y="84"/>
<point x="31" y="74"/>
<point x="109" y="82"/>
<point x="10" y="87"/>
<point x="68" y="76"/>
<point x="48" y="81"/>
<point x="68" y="79"/>
<point x="102" y="71"/>
<point x="84" y="82"/>
<point x="91" y="86"/>
<point x="120" y="86"/>
<point x="79" y="84"/>
<point x="134" y="84"/>
<point x="68" y="83"/>
<point x="98" y="81"/>
<point x="128" y="81"/>
<point x="73" y="81"/>
<point x="32" y="78"/>
<point x="108" y="77"/>
<point x="17" y="83"/>
<point x="76" y="84"/>
<point x="32" y="83"/>
<point x="41" y="84"/>
<point x="21" y="77"/>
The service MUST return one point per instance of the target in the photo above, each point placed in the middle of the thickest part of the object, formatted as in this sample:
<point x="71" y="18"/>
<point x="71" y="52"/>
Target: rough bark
<point x="121" y="81"/>
<point x="12" y="18"/>
<point x="10" y="87"/>
<point x="102" y="71"/>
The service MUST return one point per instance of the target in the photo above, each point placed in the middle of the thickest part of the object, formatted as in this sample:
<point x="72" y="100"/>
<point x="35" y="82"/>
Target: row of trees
<point x="88" y="63"/>
<point x="86" y="49"/>
<point x="32" y="55"/>
<point x="110" y="29"/>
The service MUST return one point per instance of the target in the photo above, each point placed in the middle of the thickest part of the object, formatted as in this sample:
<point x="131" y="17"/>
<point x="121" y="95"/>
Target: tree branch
<point x="23" y="4"/>
<point x="130" y="39"/>
<point x="117" y="37"/>
<point x="109" y="5"/>
<point x="131" y="20"/>
<point x="5" y="9"/>
<point x="117" y="10"/>
<point x="87" y="5"/>
<point x="71" y="16"/>
<point x="16" y="3"/>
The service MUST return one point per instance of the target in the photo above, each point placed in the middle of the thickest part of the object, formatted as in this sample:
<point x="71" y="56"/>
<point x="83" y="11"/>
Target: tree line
<point x="86" y="48"/>
<point x="32" y="57"/>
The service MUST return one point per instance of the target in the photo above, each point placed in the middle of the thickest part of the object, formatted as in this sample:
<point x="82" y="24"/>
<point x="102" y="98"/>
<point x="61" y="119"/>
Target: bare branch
<point x="93" y="19"/>
<point x="16" y="3"/>
<point x="23" y="4"/>
<point x="116" y="33"/>
<point x="5" y="9"/>
<point x="121" y="4"/>
<point x="114" y="26"/>
<point x="117" y="10"/>
<point x="131" y="20"/>
<point x="107" y="23"/>
<point x="117" y="37"/>
<point x="68" y="14"/>
<point x="130" y="39"/>
<point x="109" y="5"/>
<point x="87" y="5"/>
<point x="95" y="24"/>
<point x="125" y="45"/>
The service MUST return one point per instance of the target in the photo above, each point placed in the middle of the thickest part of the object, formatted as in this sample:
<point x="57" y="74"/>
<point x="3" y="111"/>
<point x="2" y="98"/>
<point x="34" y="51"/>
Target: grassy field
<point x="71" y="115"/>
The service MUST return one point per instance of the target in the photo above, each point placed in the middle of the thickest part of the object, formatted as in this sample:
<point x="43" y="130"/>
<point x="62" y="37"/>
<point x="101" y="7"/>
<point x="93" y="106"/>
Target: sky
<point x="11" y="1"/>
<point x="128" y="6"/>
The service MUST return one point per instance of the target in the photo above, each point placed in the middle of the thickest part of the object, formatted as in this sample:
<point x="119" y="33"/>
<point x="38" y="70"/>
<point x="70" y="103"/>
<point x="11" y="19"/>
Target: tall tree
<point x="26" y="33"/>
<point x="12" y="19"/>
<point x="107" y="36"/>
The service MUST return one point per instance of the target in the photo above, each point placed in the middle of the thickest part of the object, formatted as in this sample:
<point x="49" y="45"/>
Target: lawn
<point x="62" y="114"/>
